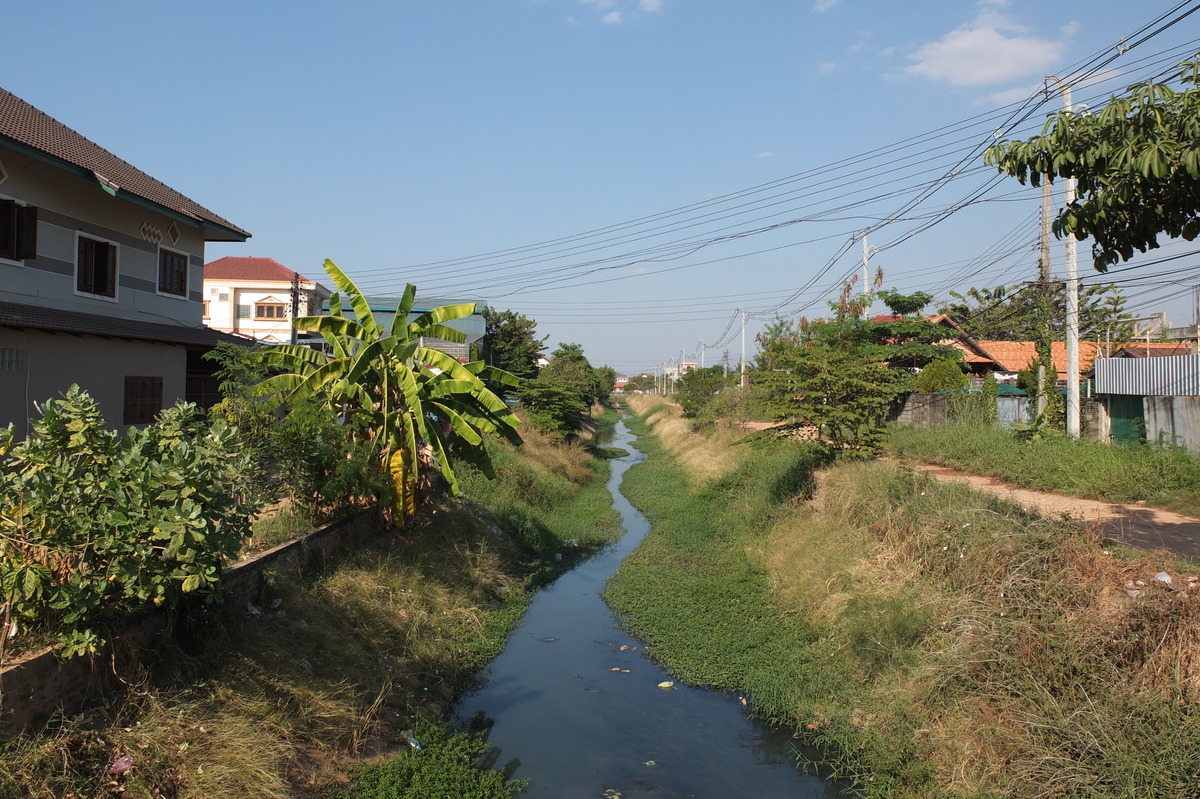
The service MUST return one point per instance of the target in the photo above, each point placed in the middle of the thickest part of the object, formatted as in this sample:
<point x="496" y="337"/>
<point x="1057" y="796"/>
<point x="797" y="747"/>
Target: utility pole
<point x="1072" y="287"/>
<point x="743" y="378"/>
<point x="866" y="286"/>
<point x="295" y="303"/>
<point x="1044" y="290"/>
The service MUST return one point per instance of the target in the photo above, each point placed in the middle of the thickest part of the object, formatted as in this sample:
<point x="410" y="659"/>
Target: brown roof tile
<point x="233" y="267"/>
<point x="22" y="123"/>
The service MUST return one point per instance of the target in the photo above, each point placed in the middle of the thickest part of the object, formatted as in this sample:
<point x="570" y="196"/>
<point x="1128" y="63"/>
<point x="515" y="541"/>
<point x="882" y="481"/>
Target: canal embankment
<point x="930" y="640"/>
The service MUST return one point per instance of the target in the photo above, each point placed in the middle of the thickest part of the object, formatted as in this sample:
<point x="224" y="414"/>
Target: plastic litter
<point x="121" y="765"/>
<point x="667" y="685"/>
<point x="408" y="736"/>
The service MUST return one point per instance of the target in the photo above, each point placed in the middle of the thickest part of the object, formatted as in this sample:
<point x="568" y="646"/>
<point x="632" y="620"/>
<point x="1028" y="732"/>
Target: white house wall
<point x="222" y="314"/>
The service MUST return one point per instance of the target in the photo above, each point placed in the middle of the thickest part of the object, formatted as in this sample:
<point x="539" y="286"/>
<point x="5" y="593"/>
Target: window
<point x="12" y="360"/>
<point x="96" y="269"/>
<point x="222" y="298"/>
<point x="206" y="309"/>
<point x="268" y="310"/>
<point x="172" y="273"/>
<point x="18" y="231"/>
<point x="243" y="312"/>
<point x="143" y="399"/>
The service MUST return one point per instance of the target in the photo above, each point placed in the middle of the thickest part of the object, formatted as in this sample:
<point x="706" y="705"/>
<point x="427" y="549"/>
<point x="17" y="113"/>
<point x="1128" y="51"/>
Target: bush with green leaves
<point x="94" y="525"/>
<point x="941" y="375"/>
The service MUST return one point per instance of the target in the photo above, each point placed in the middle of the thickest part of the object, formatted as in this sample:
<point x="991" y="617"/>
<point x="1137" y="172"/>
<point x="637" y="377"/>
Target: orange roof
<point x="1013" y="356"/>
<point x="1154" y="349"/>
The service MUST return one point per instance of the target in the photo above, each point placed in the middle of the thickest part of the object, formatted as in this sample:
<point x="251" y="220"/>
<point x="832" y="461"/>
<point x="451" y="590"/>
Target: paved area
<point x="1136" y="525"/>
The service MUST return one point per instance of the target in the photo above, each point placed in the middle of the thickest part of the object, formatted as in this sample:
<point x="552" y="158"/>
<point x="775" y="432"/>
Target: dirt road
<point x="1136" y="525"/>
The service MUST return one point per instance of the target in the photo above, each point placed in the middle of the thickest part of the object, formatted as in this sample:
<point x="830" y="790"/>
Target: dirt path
<point x="1136" y="525"/>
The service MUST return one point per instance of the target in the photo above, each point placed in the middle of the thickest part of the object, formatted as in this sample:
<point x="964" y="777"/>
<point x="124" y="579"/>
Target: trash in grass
<point x="121" y="765"/>
<point x="408" y="736"/>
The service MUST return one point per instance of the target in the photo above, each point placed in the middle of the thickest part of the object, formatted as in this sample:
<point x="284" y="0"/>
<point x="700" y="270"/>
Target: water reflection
<point x="573" y="705"/>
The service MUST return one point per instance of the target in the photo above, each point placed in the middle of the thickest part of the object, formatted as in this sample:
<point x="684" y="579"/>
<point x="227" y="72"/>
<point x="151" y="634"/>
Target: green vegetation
<point x="94" y="525"/>
<point x="1159" y="475"/>
<point x="933" y="642"/>
<point x="341" y="661"/>
<point x="1136" y="162"/>
<point x="841" y="376"/>
<point x="510" y="343"/>
<point x="559" y="398"/>
<point x="389" y="389"/>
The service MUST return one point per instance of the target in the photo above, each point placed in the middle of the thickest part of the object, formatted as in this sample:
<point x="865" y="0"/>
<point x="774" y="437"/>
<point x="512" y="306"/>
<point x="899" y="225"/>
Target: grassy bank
<point x="1162" y="476"/>
<point x="933" y="641"/>
<point x="341" y="663"/>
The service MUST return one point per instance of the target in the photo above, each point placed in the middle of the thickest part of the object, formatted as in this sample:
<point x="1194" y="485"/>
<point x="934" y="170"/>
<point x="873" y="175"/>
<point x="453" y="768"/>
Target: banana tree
<point x="415" y="403"/>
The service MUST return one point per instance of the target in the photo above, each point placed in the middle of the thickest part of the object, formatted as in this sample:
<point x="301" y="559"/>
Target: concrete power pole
<point x="295" y="304"/>
<point x="1044" y="288"/>
<point x="743" y="378"/>
<point x="1072" y="287"/>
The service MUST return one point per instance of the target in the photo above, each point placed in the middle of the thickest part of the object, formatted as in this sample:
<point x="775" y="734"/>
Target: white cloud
<point x="766" y="154"/>
<point x="991" y="49"/>
<point x="824" y="5"/>
<point x="650" y="6"/>
<point x="611" y="18"/>
<point x="827" y="68"/>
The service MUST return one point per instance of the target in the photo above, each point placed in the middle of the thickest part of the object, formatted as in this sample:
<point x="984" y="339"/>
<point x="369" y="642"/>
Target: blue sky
<point x="626" y="172"/>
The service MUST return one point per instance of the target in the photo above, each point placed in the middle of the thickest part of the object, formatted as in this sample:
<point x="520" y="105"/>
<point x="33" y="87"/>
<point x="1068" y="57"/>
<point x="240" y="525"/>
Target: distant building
<point x="253" y="297"/>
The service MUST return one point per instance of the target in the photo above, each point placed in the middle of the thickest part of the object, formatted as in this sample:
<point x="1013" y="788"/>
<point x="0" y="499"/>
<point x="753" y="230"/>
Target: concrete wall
<point x="36" y="688"/>
<point x="1174" y="420"/>
<point x="924" y="410"/>
<point x="53" y="361"/>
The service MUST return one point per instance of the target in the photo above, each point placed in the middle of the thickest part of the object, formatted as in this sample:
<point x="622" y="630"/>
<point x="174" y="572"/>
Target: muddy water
<point x="574" y="706"/>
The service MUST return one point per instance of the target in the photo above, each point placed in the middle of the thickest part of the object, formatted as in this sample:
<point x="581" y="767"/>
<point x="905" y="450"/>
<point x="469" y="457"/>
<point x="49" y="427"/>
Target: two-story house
<point x="101" y="271"/>
<point x="254" y="297"/>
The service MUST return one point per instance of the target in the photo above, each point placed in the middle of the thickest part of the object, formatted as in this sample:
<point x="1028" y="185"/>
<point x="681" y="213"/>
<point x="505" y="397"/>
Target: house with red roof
<point x="101" y="272"/>
<point x="258" y="298"/>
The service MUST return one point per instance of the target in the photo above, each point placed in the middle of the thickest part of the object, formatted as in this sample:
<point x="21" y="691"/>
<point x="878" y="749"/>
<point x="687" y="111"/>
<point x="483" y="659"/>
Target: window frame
<point x="260" y="317"/>
<point x="82" y="239"/>
<point x="18" y="238"/>
<point x="169" y="253"/>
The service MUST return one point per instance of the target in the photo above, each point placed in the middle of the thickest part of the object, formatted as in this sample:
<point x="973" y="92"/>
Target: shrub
<point x="941" y="375"/>
<point x="94" y="525"/>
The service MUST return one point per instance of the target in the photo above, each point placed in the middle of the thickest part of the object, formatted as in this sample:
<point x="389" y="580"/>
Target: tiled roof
<point x="32" y="317"/>
<point x="22" y="123"/>
<point x="1013" y="356"/>
<point x="233" y="267"/>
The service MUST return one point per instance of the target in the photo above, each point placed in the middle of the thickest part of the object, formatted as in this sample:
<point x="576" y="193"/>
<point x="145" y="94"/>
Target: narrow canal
<point x="574" y="706"/>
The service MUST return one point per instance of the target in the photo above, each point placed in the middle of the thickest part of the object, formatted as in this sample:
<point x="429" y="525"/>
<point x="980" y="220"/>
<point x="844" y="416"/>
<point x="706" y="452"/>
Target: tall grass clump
<point x="1161" y="475"/>
<point x="929" y="640"/>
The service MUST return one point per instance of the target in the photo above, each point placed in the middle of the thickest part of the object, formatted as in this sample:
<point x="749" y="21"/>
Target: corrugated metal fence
<point x="1173" y="376"/>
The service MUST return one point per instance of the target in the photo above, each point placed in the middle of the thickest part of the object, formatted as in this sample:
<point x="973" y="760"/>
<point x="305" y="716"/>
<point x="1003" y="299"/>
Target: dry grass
<point x="1046" y="661"/>
<point x="704" y="457"/>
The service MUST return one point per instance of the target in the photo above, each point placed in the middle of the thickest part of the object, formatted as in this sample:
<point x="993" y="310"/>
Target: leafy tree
<point x="941" y="375"/>
<point x="414" y="404"/>
<point x="1137" y="163"/>
<point x="606" y="381"/>
<point x="642" y="382"/>
<point x="696" y="390"/>
<point x="552" y="408"/>
<point x="834" y="374"/>
<point x="511" y="343"/>
<point x="1025" y="313"/>
<point x="904" y="304"/>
